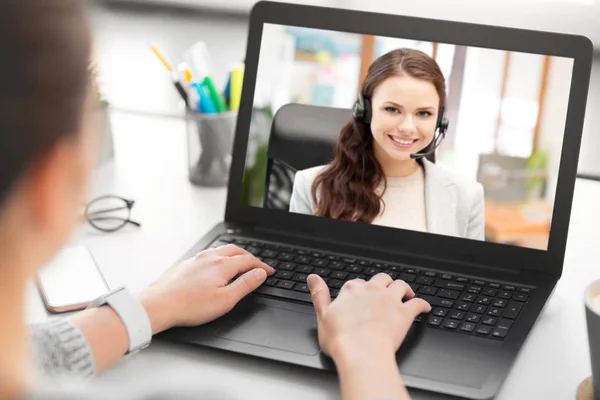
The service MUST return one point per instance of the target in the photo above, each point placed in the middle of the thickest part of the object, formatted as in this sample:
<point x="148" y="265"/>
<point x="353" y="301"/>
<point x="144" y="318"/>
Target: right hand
<point x="373" y="316"/>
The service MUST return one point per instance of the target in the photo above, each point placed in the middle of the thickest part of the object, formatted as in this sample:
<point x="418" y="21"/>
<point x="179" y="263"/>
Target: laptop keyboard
<point x="466" y="305"/>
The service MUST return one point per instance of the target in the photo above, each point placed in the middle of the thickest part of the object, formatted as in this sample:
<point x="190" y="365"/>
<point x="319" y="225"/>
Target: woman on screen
<point x="380" y="173"/>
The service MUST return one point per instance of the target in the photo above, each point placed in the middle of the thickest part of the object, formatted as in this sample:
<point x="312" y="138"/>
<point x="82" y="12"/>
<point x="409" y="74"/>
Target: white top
<point x="404" y="203"/>
<point x="453" y="204"/>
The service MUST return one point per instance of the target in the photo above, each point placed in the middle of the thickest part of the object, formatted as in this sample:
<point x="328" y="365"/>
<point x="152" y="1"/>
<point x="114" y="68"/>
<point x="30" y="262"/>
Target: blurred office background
<point x="517" y="124"/>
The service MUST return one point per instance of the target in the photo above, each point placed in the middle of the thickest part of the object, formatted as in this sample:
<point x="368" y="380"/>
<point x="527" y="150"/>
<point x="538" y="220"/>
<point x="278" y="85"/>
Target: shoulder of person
<point x="466" y="187"/>
<point x="307" y="176"/>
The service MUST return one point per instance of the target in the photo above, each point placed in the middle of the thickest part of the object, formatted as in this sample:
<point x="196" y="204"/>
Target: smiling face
<point x="405" y="111"/>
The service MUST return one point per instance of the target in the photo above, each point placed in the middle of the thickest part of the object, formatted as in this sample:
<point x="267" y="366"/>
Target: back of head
<point x="44" y="54"/>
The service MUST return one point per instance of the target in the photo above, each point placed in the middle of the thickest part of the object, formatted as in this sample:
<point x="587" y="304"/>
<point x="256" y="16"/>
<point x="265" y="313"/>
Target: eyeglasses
<point x="109" y="213"/>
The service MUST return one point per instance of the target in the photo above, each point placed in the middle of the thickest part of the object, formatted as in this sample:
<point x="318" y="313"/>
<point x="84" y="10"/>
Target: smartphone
<point x="71" y="280"/>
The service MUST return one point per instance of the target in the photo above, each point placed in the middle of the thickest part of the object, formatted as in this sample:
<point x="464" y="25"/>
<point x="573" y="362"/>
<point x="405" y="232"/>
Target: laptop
<point x="485" y="295"/>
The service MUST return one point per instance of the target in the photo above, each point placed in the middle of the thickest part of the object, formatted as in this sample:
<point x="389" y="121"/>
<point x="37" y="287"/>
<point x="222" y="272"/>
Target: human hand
<point x="370" y="317"/>
<point x="198" y="290"/>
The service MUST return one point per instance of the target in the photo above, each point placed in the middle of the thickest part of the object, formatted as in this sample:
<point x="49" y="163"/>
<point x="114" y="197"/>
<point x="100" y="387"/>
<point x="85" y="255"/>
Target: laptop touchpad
<point x="275" y="328"/>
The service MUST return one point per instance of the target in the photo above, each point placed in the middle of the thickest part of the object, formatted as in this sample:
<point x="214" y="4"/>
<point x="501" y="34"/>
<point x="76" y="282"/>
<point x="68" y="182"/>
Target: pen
<point x="214" y="94"/>
<point x="227" y="90"/>
<point x="174" y="77"/>
<point x="184" y="74"/>
<point x="205" y="103"/>
<point x="237" y="79"/>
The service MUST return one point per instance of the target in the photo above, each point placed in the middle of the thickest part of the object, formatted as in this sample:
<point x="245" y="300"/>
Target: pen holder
<point x="209" y="142"/>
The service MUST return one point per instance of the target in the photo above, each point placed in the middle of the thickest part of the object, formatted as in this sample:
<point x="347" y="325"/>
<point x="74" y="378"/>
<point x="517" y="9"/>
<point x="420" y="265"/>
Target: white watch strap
<point x="133" y="315"/>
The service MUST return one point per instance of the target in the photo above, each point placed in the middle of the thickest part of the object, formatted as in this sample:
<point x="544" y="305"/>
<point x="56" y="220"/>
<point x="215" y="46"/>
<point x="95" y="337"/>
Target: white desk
<point x="150" y="167"/>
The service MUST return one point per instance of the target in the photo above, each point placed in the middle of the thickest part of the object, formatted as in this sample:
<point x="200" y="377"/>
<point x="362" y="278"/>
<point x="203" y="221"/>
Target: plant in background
<point x="537" y="164"/>
<point x="253" y="186"/>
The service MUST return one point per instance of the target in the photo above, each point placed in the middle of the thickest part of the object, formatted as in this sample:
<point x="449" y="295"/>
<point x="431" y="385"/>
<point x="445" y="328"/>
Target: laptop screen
<point x="414" y="135"/>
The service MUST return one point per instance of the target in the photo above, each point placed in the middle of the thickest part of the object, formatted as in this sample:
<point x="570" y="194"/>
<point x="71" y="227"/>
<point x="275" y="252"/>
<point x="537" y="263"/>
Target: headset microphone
<point x="443" y="127"/>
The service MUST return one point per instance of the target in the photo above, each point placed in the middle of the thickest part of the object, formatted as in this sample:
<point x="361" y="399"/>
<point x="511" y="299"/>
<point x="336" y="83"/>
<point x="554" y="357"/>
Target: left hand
<point x="198" y="290"/>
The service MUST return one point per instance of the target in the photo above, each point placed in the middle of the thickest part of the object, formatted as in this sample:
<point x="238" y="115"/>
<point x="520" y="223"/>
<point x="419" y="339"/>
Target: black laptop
<point x="486" y="294"/>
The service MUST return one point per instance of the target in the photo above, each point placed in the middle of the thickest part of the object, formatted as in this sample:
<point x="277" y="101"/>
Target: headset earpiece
<point x="440" y="118"/>
<point x="358" y="111"/>
<point x="362" y="109"/>
<point x="443" y="127"/>
<point x="442" y="122"/>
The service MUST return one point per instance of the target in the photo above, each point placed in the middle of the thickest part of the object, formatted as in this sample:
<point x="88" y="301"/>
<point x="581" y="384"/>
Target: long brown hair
<point x="347" y="185"/>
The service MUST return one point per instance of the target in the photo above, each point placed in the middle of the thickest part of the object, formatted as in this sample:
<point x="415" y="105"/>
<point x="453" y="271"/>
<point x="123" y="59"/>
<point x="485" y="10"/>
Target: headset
<point x="362" y="112"/>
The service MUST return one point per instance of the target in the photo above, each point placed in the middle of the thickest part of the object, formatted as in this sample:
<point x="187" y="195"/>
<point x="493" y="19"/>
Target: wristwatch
<point x="133" y="315"/>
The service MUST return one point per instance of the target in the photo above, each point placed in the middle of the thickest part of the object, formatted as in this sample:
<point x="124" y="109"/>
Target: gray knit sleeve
<point x="60" y="348"/>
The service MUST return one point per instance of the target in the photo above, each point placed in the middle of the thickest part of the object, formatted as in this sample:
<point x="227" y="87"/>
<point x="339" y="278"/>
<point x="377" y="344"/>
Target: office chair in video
<point x="302" y="136"/>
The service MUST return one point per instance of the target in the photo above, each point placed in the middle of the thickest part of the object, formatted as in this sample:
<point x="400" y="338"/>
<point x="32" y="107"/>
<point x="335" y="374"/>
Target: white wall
<point x="478" y="110"/>
<point x="275" y="64"/>
<point x="519" y="108"/>
<point x="589" y="160"/>
<point x="569" y="16"/>
<point x="553" y="118"/>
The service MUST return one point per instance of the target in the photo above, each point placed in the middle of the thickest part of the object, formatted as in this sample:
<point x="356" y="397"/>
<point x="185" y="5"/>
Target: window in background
<point x="477" y="115"/>
<point x="445" y="58"/>
<point x="519" y="104"/>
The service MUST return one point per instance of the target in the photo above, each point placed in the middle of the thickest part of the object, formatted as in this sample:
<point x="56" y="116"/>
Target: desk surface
<point x="174" y="214"/>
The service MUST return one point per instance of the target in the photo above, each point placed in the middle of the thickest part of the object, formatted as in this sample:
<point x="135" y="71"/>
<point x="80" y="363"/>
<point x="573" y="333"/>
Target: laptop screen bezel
<point x="460" y="250"/>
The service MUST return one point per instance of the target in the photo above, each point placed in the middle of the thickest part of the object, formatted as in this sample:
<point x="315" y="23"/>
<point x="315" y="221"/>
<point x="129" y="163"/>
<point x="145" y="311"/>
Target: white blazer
<point x="454" y="205"/>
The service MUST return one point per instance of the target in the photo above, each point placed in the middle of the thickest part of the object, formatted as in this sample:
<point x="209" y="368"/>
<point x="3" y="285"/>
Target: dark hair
<point x="44" y="50"/>
<point x="347" y="185"/>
